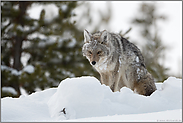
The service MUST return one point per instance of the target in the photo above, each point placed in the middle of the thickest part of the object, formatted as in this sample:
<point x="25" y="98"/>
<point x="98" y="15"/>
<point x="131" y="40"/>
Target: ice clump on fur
<point x="137" y="59"/>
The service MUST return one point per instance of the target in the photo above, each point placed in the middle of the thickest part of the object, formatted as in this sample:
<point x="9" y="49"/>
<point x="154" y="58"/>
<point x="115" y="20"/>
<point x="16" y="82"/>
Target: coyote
<point x="118" y="61"/>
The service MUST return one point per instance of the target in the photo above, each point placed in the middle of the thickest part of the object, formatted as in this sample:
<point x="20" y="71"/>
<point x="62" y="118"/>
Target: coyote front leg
<point x="111" y="79"/>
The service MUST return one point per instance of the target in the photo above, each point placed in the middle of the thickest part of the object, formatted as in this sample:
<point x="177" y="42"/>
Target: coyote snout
<point x="93" y="62"/>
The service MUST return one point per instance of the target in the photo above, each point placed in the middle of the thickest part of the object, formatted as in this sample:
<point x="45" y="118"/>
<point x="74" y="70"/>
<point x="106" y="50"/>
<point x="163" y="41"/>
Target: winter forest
<point x="41" y="46"/>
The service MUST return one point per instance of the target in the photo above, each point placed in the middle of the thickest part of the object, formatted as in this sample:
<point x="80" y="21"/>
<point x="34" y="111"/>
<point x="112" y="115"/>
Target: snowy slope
<point x="85" y="99"/>
<point x="163" y="116"/>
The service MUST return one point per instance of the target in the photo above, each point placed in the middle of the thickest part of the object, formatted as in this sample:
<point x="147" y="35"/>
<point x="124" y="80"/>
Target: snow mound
<point x="85" y="99"/>
<point x="76" y="95"/>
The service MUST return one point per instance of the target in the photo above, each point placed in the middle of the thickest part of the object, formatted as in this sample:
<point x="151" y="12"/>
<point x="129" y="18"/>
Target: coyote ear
<point x="104" y="36"/>
<point x="87" y="36"/>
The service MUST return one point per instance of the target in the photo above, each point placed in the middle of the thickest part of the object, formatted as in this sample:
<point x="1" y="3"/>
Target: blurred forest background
<point x="52" y="46"/>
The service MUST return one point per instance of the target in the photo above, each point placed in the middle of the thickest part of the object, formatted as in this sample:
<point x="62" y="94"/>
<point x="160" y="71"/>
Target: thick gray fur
<point x="118" y="61"/>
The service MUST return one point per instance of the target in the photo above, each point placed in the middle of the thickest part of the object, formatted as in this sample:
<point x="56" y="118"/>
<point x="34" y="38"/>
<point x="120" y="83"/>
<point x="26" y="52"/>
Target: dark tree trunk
<point x="17" y="53"/>
<point x="18" y="40"/>
<point x="17" y="61"/>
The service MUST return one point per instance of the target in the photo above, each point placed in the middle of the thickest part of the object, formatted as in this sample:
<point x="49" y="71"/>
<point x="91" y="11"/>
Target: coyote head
<point x="96" y="47"/>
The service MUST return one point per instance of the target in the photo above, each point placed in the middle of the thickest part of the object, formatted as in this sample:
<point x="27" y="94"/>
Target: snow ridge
<point x="85" y="99"/>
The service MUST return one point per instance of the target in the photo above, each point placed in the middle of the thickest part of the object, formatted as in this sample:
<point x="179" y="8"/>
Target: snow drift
<point x="85" y="99"/>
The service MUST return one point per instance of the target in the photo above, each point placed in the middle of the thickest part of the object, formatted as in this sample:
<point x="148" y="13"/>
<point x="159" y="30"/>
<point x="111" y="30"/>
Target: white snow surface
<point x="28" y="69"/>
<point x="85" y="99"/>
<point x="9" y="90"/>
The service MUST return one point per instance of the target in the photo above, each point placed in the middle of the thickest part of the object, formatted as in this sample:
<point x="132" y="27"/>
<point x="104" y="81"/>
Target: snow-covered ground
<point x="85" y="99"/>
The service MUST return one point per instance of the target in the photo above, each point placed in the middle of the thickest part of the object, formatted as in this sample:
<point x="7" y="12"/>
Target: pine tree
<point x="153" y="48"/>
<point x="53" y="47"/>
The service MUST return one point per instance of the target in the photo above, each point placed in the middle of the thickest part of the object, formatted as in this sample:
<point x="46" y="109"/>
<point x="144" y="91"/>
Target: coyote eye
<point x="102" y="42"/>
<point x="89" y="52"/>
<point x="99" y="52"/>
